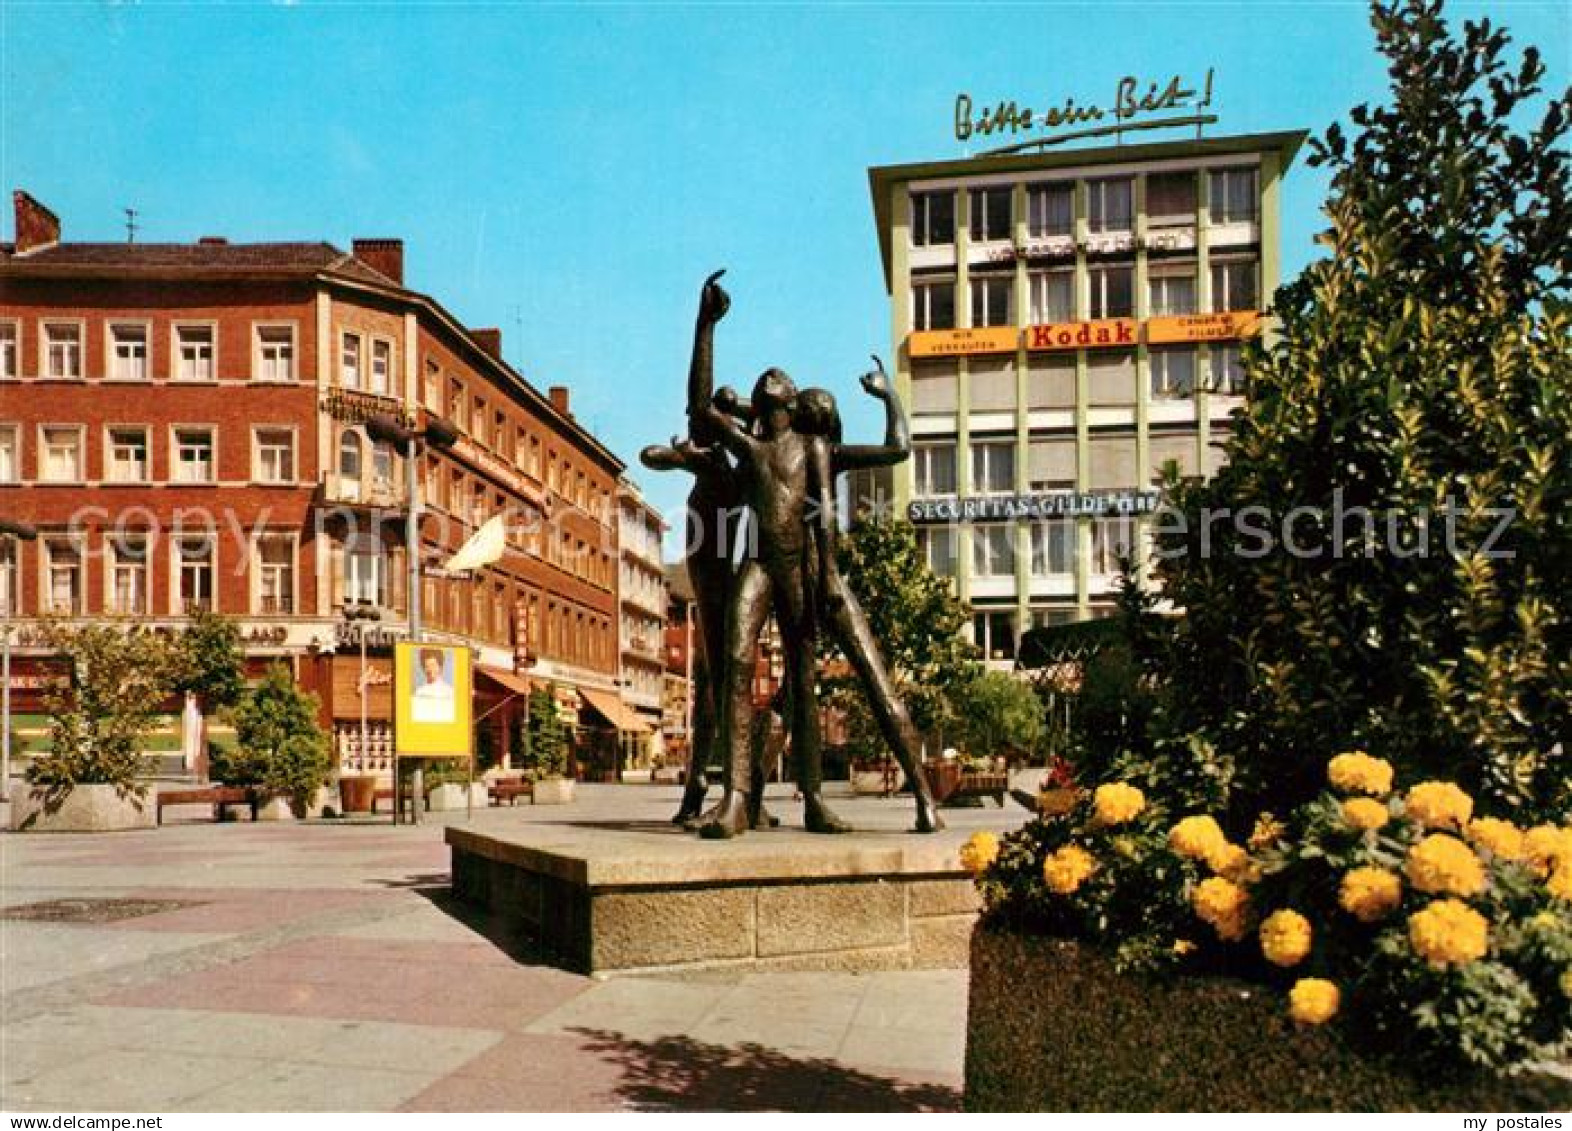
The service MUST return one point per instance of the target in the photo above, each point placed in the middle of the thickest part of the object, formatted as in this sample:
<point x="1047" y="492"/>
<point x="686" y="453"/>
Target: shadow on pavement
<point x="681" y="1074"/>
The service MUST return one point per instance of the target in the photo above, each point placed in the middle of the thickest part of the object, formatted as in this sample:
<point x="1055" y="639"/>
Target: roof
<point x="882" y="177"/>
<point x="224" y="261"/>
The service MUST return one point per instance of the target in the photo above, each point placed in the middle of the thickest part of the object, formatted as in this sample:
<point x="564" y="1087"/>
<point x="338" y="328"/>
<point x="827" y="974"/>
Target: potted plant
<point x="280" y="750"/>
<point x="93" y="777"/>
<point x="545" y="755"/>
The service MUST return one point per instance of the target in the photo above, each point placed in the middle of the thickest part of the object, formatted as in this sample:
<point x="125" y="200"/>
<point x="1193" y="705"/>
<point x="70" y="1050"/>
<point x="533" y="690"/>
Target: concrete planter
<point x="275" y="808"/>
<point x="1052" y="1026"/>
<point x="554" y="791"/>
<point x="874" y="782"/>
<point x="86" y="809"/>
<point x="450" y="797"/>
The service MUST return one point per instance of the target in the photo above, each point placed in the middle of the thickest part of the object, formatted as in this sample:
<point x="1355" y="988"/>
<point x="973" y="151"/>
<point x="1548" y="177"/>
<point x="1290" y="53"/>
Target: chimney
<point x="386" y="257"/>
<point x="559" y="399"/>
<point x="36" y="226"/>
<point x="490" y="340"/>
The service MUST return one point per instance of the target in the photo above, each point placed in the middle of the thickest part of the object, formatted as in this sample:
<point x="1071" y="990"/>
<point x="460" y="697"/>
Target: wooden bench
<point x="218" y="796"/>
<point x="510" y="790"/>
<point x="982" y="785"/>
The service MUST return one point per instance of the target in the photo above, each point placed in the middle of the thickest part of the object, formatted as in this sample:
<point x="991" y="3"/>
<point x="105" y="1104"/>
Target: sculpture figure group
<point x="776" y="457"/>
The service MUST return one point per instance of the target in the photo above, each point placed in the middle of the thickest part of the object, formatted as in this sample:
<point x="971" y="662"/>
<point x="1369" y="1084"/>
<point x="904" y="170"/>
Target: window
<point x="1173" y="373"/>
<point x="1111" y="291"/>
<point x="480" y="423"/>
<point x="62" y="454"/>
<point x="991" y="300"/>
<point x="1228" y="377"/>
<point x="460" y="403"/>
<point x="433" y="389"/>
<point x="933" y="218"/>
<point x="194" y="455"/>
<point x="10" y="578"/>
<point x="275" y="455"/>
<point x="991" y="213"/>
<point x="933" y="306"/>
<point x="382" y="368"/>
<point x="365" y="575"/>
<point x="994" y="633"/>
<point x="63" y="577"/>
<point x="128" y="578"/>
<point x="1173" y="293"/>
<point x="934" y="466"/>
<point x="1109" y="205"/>
<point x="349" y="362"/>
<point x="10" y="453"/>
<point x="1052" y="296"/>
<point x="62" y="349"/>
<point x="993" y="550"/>
<point x="938" y="548"/>
<point x="128" y="351"/>
<point x="1233" y="285"/>
<point x="502" y="435"/>
<point x="1233" y="196"/>
<point x="382" y="476"/>
<point x="8" y="351"/>
<point x="992" y="384"/>
<point x="1111" y="539"/>
<point x="275" y="565"/>
<point x="1050" y="210"/>
<point x="275" y="353"/>
<point x="349" y="465"/>
<point x="1050" y="463"/>
<point x="1170" y="198"/>
<point x="128" y="461"/>
<point x="194" y="353"/>
<point x="194" y="565"/>
<point x="1053" y="548"/>
<point x="993" y="467"/>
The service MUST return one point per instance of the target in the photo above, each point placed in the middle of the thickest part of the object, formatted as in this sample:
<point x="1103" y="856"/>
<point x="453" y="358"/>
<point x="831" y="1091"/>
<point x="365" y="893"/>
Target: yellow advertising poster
<point x="431" y="701"/>
<point x="1221" y="327"/>
<point x="953" y="343"/>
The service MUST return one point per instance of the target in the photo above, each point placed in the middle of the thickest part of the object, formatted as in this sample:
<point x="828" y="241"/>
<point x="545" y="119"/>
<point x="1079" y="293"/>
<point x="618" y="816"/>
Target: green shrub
<point x="279" y="746"/>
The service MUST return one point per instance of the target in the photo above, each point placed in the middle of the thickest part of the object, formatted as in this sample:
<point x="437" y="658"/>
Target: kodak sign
<point x="1107" y="333"/>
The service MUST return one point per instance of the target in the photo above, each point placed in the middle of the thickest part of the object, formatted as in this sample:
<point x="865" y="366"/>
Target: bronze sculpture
<point x="787" y="450"/>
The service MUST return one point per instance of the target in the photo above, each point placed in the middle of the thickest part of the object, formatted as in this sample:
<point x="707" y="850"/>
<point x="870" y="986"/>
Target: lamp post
<point x="22" y="532"/>
<point x="408" y="442"/>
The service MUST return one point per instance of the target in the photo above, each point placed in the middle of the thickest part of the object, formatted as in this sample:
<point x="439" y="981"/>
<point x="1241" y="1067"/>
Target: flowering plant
<point x="1426" y="930"/>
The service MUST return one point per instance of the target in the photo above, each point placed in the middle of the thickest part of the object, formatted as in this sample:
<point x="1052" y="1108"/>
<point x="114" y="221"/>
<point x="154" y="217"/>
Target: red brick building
<point x="184" y="423"/>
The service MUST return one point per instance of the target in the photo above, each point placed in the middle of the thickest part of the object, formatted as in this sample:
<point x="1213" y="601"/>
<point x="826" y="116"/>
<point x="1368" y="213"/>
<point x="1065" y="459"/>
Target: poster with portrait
<point x="432" y="698"/>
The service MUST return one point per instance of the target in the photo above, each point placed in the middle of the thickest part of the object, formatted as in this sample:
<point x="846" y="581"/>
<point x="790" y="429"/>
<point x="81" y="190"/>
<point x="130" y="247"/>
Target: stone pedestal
<point x="647" y="896"/>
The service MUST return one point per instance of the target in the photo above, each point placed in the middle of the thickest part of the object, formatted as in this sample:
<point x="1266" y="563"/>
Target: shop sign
<point x="350" y="406"/>
<point x="953" y="343"/>
<point x="1137" y="104"/>
<point x="1107" y="333"/>
<point x="1058" y="504"/>
<point x="1203" y="327"/>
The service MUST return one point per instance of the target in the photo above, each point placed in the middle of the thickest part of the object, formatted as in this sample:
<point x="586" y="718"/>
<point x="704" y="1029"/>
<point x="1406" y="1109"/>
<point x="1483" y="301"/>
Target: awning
<point x="614" y="711"/>
<point x="508" y="681"/>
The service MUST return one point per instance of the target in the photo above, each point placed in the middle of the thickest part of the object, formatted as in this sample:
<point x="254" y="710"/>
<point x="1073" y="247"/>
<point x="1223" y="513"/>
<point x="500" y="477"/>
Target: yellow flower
<point x="1364" y="813"/>
<point x="1067" y="869"/>
<point x="1196" y="837"/>
<point x="1057" y="802"/>
<point x="1313" y="1001"/>
<point x="1223" y="905"/>
<point x="1116" y="803"/>
<point x="1546" y="846"/>
<point x="1357" y="772"/>
<point x="1449" y="933"/>
<point x="1502" y="838"/>
<point x="1233" y="863"/>
<point x="1439" y="805"/>
<point x="979" y="852"/>
<point x="1285" y="938"/>
<point x="1183" y="947"/>
<point x="1370" y="894"/>
<point x="1267" y="832"/>
<point x="1560" y="882"/>
<point x="1443" y="865"/>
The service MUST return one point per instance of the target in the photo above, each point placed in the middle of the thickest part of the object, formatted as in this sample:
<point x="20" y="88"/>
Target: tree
<point x="546" y="755"/>
<point x="1000" y="715"/>
<point x="209" y="662"/>
<point x="916" y="619"/>
<point x="1421" y="372"/>
<point x="279" y="745"/>
<point x="99" y="719"/>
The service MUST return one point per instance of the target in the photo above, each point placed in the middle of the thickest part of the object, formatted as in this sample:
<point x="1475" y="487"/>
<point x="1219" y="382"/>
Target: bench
<point x="218" y="796"/>
<point x="982" y="785"/>
<point x="510" y="790"/>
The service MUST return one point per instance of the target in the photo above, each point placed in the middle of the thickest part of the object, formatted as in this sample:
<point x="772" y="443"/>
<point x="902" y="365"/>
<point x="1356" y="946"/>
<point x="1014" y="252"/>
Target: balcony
<point x="376" y="492"/>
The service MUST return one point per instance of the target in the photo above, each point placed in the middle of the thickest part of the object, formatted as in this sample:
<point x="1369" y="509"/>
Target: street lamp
<point x="21" y="531"/>
<point x="439" y="434"/>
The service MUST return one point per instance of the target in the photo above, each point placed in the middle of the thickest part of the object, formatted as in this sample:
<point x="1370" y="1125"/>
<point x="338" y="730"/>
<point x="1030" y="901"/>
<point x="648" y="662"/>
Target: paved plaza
<point x="322" y="966"/>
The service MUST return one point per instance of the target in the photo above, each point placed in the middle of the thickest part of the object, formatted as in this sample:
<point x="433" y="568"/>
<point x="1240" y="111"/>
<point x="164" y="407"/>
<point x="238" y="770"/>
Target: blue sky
<point x="571" y="173"/>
